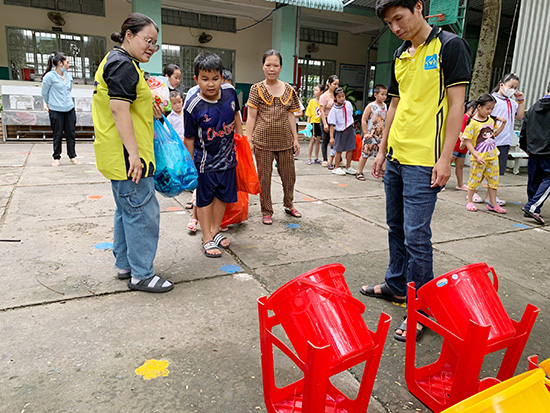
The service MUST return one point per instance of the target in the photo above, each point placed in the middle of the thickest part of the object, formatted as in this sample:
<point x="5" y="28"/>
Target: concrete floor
<point x="73" y="335"/>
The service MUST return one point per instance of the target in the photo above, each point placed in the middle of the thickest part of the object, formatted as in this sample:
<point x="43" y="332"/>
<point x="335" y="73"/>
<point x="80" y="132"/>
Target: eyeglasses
<point x="150" y="43"/>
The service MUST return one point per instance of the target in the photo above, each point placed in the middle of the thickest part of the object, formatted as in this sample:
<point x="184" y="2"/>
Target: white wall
<point x="249" y="44"/>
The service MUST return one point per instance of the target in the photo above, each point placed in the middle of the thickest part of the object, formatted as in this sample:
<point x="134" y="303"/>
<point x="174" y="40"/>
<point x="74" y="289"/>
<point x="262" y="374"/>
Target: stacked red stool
<point x="324" y="324"/>
<point x="466" y="312"/>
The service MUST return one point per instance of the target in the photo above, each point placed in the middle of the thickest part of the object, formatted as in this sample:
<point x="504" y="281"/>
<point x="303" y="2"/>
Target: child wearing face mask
<point x="510" y="104"/>
<point x="342" y="132"/>
<point x="479" y="137"/>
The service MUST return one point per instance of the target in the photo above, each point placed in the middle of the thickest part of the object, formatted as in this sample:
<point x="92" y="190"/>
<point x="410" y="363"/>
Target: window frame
<point x="205" y="21"/>
<point x="37" y="63"/>
<point x="187" y="69"/>
<point x="56" y="7"/>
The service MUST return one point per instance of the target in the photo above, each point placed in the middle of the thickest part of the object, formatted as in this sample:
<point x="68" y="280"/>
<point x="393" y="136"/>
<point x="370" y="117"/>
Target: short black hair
<point x="383" y="5"/>
<point x="337" y="91"/>
<point x="207" y="62"/>
<point x="175" y="94"/>
<point x="227" y="75"/>
<point x="378" y="88"/>
<point x="548" y="88"/>
<point x="273" y="52"/>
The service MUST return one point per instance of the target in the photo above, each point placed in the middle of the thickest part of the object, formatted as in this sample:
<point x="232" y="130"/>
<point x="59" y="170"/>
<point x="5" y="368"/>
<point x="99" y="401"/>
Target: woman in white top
<point x="511" y="106"/>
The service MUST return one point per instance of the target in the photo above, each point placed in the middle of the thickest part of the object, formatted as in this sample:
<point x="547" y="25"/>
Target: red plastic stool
<point x="473" y="323"/>
<point x="324" y="324"/>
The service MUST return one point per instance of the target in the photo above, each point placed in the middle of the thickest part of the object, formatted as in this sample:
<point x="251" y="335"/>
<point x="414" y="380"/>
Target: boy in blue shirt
<point x="209" y="118"/>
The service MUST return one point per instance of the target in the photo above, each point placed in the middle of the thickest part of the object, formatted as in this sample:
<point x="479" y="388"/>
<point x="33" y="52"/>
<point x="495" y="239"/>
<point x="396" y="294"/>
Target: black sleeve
<point x="237" y="104"/>
<point x="122" y="78"/>
<point x="393" y="88"/>
<point x="456" y="62"/>
<point x="523" y="133"/>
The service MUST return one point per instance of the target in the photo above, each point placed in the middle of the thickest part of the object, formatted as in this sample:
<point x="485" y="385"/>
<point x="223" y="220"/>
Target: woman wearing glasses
<point x="123" y="113"/>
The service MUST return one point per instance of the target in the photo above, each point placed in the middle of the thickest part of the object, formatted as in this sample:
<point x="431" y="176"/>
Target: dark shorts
<point x="220" y="184"/>
<point x="458" y="155"/>
<point x="316" y="129"/>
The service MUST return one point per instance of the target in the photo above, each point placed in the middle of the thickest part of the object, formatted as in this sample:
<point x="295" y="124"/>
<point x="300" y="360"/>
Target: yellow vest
<point x="111" y="155"/>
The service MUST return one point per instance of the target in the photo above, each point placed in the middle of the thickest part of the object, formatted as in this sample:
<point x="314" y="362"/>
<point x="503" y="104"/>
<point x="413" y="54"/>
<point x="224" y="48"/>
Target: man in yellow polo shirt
<point x="430" y="72"/>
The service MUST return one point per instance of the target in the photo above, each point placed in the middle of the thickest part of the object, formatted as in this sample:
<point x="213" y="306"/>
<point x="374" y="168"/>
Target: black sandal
<point x="360" y="176"/>
<point x="385" y="294"/>
<point x="218" y="238"/>
<point x="211" y="245"/>
<point x="154" y="284"/>
<point x="403" y="328"/>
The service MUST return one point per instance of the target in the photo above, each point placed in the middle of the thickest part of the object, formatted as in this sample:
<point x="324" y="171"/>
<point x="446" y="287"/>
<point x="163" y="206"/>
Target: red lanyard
<point x="509" y="104"/>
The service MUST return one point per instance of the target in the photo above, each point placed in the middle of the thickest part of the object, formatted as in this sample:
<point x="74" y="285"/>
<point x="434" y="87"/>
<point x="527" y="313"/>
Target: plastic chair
<point x="325" y="326"/>
<point x="468" y="315"/>
<point x="544" y="365"/>
<point x="523" y="393"/>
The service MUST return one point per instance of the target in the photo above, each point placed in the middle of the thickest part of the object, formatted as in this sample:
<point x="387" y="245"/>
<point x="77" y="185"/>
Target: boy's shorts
<point x="458" y="155"/>
<point x="219" y="184"/>
<point x="316" y="129"/>
<point x="370" y="147"/>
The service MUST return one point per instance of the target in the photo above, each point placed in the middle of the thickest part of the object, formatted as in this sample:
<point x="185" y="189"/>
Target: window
<point x="314" y="71"/>
<point x="30" y="49"/>
<point x="318" y="36"/>
<point x="183" y="56"/>
<point x="198" y="20"/>
<point x="95" y="7"/>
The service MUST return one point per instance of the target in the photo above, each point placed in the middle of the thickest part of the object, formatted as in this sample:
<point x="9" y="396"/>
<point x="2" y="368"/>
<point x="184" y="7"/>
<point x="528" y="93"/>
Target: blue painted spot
<point x="104" y="245"/>
<point x="293" y="225"/>
<point x="514" y="202"/>
<point x="230" y="269"/>
<point x="521" y="226"/>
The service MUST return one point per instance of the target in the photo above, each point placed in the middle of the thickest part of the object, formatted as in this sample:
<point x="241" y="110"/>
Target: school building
<point x="316" y="37"/>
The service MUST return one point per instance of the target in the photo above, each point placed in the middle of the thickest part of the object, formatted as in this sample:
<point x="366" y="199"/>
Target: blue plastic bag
<point x="175" y="171"/>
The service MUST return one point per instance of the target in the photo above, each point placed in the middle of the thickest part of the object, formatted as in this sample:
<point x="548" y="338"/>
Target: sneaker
<point x="350" y="171"/>
<point x="325" y="164"/>
<point x="500" y="202"/>
<point x="338" y="171"/>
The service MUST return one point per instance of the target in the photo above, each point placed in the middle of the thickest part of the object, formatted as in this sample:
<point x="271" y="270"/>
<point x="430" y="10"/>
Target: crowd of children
<point x="330" y="115"/>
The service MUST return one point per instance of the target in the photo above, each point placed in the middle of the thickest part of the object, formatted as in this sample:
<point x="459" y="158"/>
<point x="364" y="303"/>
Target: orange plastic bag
<point x="237" y="212"/>
<point x="247" y="177"/>
<point x="358" y="148"/>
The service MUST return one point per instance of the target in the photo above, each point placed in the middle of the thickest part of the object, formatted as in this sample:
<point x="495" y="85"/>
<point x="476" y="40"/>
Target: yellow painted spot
<point x="400" y="304"/>
<point x="152" y="369"/>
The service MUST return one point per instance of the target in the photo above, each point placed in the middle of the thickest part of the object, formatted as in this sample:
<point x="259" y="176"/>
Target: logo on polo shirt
<point x="430" y="62"/>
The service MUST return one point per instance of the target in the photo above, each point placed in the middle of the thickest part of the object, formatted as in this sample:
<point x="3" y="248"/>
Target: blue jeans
<point x="538" y="183"/>
<point x="410" y="203"/>
<point x="136" y="227"/>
